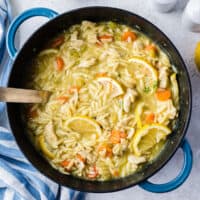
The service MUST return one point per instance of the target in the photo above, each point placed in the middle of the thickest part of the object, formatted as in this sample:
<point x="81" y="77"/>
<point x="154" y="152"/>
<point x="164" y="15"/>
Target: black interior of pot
<point x="50" y="30"/>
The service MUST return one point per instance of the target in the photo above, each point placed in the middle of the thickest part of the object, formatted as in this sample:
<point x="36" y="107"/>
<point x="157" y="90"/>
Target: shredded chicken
<point x="129" y="98"/>
<point x="89" y="31"/>
<point x="127" y="79"/>
<point x="136" y="160"/>
<point x="86" y="63"/>
<point x="163" y="77"/>
<point x="50" y="135"/>
<point x="165" y="110"/>
<point x="74" y="36"/>
<point x="138" y="45"/>
<point x="124" y="122"/>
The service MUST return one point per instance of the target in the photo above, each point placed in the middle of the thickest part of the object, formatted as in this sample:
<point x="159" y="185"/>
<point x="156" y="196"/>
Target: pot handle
<point x="34" y="12"/>
<point x="179" y="180"/>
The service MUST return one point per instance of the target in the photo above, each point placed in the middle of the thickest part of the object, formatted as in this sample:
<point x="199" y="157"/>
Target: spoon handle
<point x="23" y="95"/>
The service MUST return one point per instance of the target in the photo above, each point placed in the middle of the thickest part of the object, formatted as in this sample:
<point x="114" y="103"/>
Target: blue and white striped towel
<point x="19" y="180"/>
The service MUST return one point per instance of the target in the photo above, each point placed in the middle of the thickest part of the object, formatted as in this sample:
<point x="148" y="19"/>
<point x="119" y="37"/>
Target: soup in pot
<point x="114" y="101"/>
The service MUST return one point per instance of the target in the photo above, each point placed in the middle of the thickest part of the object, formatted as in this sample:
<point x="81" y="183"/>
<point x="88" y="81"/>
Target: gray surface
<point x="185" y="41"/>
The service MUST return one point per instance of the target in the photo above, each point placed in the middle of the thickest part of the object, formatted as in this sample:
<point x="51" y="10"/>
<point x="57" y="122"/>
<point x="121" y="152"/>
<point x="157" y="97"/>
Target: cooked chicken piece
<point x="138" y="45"/>
<point x="74" y="36"/>
<point x="77" y="44"/>
<point x="163" y="77"/>
<point x="129" y="98"/>
<point x="92" y="37"/>
<point x="87" y="63"/>
<point x="118" y="149"/>
<point x="166" y="110"/>
<point x="136" y="160"/>
<point x="127" y="79"/>
<point x="124" y="122"/>
<point x="103" y="120"/>
<point x="89" y="31"/>
<point x="50" y="136"/>
<point x="87" y="25"/>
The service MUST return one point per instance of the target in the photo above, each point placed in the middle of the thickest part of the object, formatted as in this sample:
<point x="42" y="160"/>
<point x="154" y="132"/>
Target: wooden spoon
<point x="23" y="95"/>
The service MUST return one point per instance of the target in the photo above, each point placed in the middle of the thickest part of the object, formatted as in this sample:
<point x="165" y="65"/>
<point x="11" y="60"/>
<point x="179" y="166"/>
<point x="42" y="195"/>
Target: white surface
<point x="191" y="16"/>
<point x="164" y="5"/>
<point x="185" y="41"/>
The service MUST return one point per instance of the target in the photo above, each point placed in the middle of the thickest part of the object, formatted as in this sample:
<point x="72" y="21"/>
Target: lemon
<point x="44" y="148"/>
<point x="147" y="137"/>
<point x="115" y="87"/>
<point x="174" y="89"/>
<point x="138" y="114"/>
<point x="146" y="66"/>
<point x="84" y="125"/>
<point x="197" y="56"/>
<point x="150" y="74"/>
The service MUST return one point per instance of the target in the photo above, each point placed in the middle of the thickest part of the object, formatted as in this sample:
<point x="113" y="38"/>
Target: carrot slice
<point x="152" y="50"/>
<point x="109" y="152"/>
<point x="64" y="163"/>
<point x="99" y="44"/>
<point x="163" y="94"/>
<point x="102" y="147"/>
<point x="105" y="37"/>
<point x="151" y="47"/>
<point x="116" y="173"/>
<point x="94" y="173"/>
<point x="103" y="74"/>
<point x="60" y="63"/>
<point x="123" y="135"/>
<point x="80" y="157"/>
<point x="106" y="148"/>
<point x="95" y="169"/>
<point x="115" y="137"/>
<point x="150" y="118"/>
<point x="57" y="42"/>
<point x="128" y="34"/>
<point x="63" y="98"/>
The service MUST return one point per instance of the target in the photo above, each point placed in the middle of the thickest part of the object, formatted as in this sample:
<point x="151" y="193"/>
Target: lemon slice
<point x="115" y="87"/>
<point x="147" y="137"/>
<point x="44" y="148"/>
<point x="174" y="89"/>
<point x="197" y="56"/>
<point x="84" y="125"/>
<point x="150" y="74"/>
<point x="138" y="114"/>
<point x="146" y="66"/>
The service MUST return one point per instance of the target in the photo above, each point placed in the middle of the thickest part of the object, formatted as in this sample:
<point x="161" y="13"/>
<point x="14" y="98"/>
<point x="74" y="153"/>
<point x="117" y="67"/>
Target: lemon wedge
<point x="150" y="74"/>
<point x="147" y="137"/>
<point x="84" y="125"/>
<point x="115" y="87"/>
<point x="44" y="148"/>
<point x="197" y="56"/>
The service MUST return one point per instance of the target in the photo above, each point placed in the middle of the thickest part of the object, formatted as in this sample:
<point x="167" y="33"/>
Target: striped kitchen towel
<point x="19" y="180"/>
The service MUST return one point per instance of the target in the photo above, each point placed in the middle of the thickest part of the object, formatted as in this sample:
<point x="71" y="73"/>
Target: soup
<point x="114" y="101"/>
